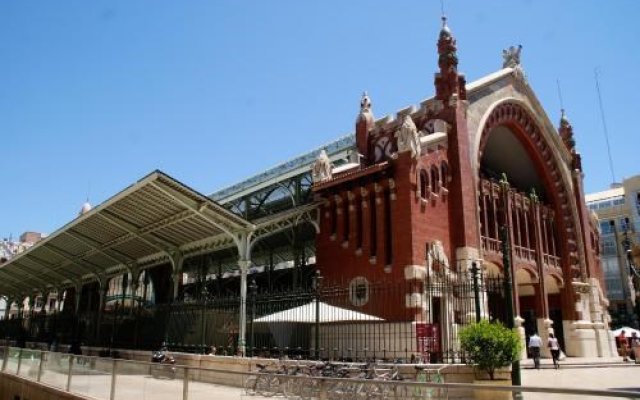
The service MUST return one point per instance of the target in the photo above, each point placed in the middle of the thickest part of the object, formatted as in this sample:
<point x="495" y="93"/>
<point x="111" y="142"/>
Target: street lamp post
<point x="476" y="289"/>
<point x="508" y="294"/>
<point x="508" y="283"/>
<point x="317" y="284"/>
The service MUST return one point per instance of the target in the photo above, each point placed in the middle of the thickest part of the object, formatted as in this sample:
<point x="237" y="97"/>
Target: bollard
<point x="43" y="354"/>
<point x="185" y="385"/>
<point x="112" y="395"/>
<point x="69" y="373"/>
<point x="19" y="361"/>
<point x="6" y="357"/>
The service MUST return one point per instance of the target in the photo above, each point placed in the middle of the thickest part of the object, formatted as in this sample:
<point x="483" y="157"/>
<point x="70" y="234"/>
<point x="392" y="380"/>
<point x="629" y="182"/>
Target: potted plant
<point x="488" y="347"/>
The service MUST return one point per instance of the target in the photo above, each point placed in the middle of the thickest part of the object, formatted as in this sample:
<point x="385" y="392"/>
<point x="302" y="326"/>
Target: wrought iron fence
<point x="416" y="320"/>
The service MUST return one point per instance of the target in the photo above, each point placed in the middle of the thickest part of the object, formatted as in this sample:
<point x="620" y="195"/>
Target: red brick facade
<point x="379" y="216"/>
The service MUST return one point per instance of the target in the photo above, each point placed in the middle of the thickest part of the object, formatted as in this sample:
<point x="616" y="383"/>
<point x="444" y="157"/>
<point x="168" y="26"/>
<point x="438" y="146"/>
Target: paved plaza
<point x="581" y="373"/>
<point x="574" y="373"/>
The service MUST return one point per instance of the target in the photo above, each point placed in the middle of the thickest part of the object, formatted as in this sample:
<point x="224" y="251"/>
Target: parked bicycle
<point x="429" y="375"/>
<point x="262" y="382"/>
<point x="367" y="381"/>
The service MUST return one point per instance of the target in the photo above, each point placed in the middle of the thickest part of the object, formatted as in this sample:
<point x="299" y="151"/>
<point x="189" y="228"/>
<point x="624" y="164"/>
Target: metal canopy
<point x="322" y="312"/>
<point x="142" y="225"/>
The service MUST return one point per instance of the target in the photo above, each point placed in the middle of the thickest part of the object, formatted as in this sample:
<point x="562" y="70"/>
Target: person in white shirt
<point x="534" y="347"/>
<point x="554" y="346"/>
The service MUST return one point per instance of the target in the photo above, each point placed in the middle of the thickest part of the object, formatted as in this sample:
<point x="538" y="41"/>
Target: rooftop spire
<point x="448" y="59"/>
<point x="566" y="133"/>
<point x="448" y="81"/>
<point x="564" y="121"/>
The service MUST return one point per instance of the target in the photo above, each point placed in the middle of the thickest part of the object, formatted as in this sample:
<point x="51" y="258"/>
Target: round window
<point x="359" y="291"/>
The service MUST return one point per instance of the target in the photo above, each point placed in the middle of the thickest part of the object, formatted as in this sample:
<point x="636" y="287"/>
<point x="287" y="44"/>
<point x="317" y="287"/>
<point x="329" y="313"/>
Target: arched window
<point x="424" y="184"/>
<point x="444" y="173"/>
<point x="435" y="179"/>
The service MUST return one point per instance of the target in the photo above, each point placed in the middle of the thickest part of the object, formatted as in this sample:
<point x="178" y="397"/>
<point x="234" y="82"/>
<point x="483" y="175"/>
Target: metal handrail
<point x="323" y="382"/>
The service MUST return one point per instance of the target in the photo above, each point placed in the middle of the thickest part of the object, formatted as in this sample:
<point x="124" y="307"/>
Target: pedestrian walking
<point x="554" y="347"/>
<point x="623" y="346"/>
<point x="634" y="347"/>
<point x="535" y="343"/>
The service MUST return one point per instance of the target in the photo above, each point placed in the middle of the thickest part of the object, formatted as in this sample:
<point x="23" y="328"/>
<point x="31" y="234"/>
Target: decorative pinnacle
<point x="445" y="28"/>
<point x="564" y="121"/>
<point x="504" y="182"/>
<point x="365" y="102"/>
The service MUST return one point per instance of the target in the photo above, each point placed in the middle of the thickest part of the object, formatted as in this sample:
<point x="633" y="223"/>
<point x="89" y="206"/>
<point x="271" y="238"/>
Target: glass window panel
<point x="55" y="369"/>
<point x="91" y="376"/>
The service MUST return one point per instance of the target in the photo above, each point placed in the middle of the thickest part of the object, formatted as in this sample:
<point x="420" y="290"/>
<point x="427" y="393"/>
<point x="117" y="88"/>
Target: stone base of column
<point x="518" y="320"/>
<point x="605" y="340"/>
<point x="585" y="339"/>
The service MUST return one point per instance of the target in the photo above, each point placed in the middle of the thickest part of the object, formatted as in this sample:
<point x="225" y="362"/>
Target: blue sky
<point x="94" y="95"/>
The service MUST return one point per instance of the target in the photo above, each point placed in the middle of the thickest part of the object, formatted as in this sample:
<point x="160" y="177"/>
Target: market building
<point x="396" y="219"/>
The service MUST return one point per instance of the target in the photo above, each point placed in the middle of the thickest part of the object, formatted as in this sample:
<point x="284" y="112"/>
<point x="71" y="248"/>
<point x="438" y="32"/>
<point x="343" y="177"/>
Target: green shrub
<point x="490" y="346"/>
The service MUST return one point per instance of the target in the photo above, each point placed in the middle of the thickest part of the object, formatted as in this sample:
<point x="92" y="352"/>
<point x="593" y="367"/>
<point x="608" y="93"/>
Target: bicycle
<point x="425" y="375"/>
<point x="385" y="390"/>
<point x="300" y="388"/>
<point x="262" y="382"/>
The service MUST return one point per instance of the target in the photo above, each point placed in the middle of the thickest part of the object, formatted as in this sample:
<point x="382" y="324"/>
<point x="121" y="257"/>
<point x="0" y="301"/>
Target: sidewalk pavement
<point x="579" y="374"/>
<point x="581" y="362"/>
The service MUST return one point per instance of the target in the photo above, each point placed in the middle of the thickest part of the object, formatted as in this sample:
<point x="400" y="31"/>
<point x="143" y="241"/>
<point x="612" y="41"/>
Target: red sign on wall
<point x="428" y="336"/>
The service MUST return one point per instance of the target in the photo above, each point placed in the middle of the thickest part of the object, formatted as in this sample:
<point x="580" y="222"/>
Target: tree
<point x="490" y="345"/>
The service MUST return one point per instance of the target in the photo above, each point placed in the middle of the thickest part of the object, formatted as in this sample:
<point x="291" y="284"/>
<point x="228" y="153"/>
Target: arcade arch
<point x="537" y="208"/>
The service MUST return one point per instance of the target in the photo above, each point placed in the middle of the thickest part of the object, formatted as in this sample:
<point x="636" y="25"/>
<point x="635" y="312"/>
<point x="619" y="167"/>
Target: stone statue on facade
<point x="437" y="260"/>
<point x="511" y="56"/>
<point x="321" y="169"/>
<point x="408" y="137"/>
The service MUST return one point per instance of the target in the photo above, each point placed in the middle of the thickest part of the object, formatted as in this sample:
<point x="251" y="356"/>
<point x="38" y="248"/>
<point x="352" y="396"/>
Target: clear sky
<point x="96" y="94"/>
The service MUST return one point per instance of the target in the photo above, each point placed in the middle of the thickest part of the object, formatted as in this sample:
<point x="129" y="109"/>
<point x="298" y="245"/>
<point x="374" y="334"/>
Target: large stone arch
<point x="547" y="156"/>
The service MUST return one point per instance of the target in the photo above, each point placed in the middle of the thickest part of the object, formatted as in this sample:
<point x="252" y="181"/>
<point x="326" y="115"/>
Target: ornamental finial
<point x="511" y="56"/>
<point x="445" y="28"/>
<point x="566" y="132"/>
<point x="365" y="102"/>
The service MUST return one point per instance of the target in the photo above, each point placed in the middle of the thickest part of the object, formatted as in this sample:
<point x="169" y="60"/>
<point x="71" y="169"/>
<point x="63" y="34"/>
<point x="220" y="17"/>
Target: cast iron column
<point x="242" y="328"/>
<point x="253" y="288"/>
